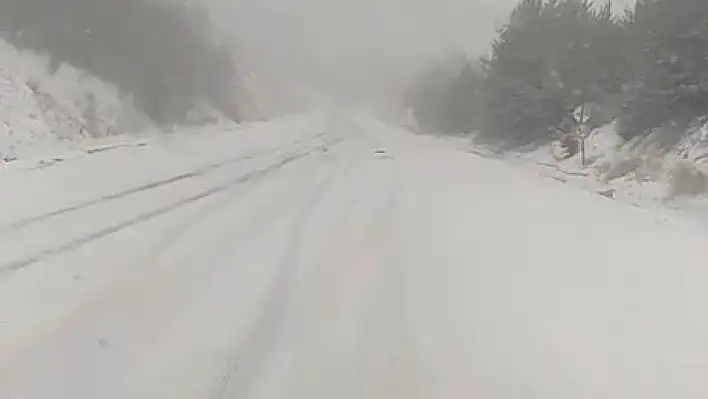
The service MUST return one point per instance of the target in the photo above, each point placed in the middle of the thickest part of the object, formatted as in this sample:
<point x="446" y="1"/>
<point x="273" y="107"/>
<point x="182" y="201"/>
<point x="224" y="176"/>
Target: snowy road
<point x="290" y="260"/>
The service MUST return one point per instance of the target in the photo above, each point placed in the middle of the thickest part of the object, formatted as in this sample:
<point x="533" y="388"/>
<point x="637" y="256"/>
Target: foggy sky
<point x="396" y="27"/>
<point x="360" y="43"/>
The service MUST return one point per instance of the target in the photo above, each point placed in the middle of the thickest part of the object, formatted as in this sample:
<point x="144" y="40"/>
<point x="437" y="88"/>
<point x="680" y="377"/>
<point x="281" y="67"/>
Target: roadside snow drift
<point x="640" y="172"/>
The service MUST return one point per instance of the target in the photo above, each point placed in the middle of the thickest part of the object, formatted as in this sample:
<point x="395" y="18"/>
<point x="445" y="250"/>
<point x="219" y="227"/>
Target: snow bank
<point x="641" y="172"/>
<point x="41" y="113"/>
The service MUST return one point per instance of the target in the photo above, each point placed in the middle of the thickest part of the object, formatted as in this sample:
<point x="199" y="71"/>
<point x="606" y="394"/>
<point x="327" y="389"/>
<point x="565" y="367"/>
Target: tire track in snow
<point x="323" y="354"/>
<point x="242" y="369"/>
<point x="147" y="216"/>
<point x="186" y="279"/>
<point x="398" y="369"/>
<point x="377" y="356"/>
<point x="196" y="173"/>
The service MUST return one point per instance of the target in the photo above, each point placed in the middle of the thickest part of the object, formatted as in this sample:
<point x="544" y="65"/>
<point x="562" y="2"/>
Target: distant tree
<point x="447" y="98"/>
<point x="162" y="54"/>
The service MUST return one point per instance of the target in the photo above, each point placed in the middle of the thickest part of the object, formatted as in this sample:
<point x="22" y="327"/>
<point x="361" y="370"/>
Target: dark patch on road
<point x="145" y="187"/>
<point x="147" y="216"/>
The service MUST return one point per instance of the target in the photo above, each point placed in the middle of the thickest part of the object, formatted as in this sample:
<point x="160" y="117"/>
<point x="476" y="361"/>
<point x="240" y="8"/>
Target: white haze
<point x="357" y="49"/>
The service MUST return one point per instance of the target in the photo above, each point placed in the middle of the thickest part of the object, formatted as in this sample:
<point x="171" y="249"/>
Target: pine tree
<point x="669" y="51"/>
<point x="545" y="63"/>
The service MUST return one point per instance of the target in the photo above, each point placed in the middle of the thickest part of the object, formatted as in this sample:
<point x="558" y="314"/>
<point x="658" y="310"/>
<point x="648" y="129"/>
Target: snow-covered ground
<point x="330" y="256"/>
<point x="639" y="173"/>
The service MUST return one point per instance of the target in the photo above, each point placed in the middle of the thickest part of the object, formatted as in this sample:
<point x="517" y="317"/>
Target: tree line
<point x="158" y="53"/>
<point x="646" y="68"/>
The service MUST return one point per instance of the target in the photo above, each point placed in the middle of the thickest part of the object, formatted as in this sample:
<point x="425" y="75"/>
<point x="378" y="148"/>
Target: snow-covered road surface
<point x="292" y="260"/>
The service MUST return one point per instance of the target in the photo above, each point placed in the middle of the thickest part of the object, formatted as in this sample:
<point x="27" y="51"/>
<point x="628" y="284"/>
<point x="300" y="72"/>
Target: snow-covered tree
<point x="161" y="53"/>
